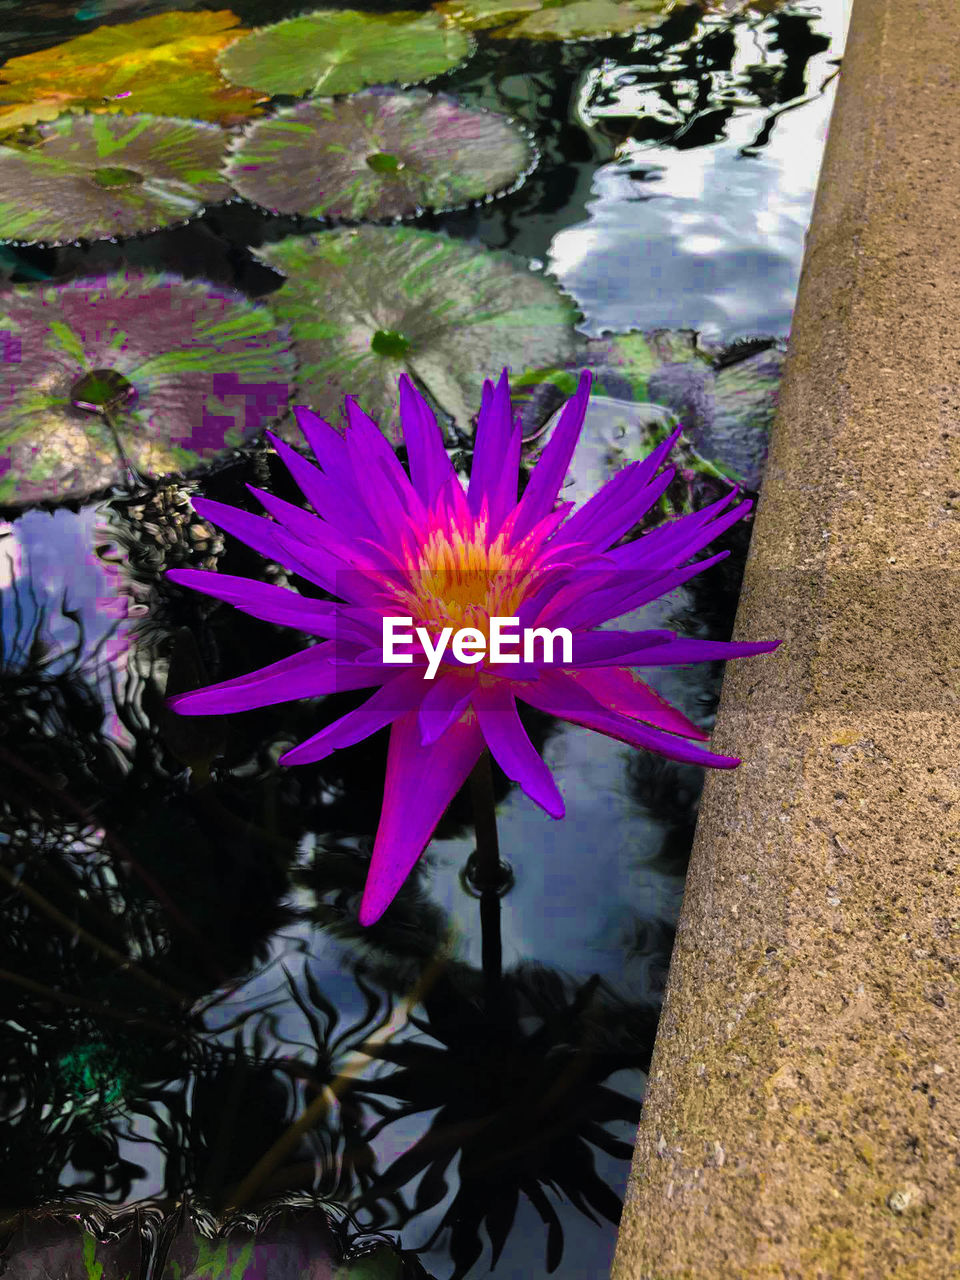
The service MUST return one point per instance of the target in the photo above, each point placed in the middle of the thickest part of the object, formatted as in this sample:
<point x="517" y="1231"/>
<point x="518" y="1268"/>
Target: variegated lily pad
<point x="725" y="396"/>
<point x="368" y="303"/>
<point x="162" y="64"/>
<point x="555" y="19"/>
<point x="149" y="371"/>
<point x="96" y="176"/>
<point x="342" y="50"/>
<point x="378" y="154"/>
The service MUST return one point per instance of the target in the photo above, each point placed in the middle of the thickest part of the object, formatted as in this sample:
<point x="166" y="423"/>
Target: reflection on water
<point x="700" y="219"/>
<point x="183" y="985"/>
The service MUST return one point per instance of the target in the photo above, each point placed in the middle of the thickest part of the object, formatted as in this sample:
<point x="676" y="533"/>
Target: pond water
<point x="182" y="974"/>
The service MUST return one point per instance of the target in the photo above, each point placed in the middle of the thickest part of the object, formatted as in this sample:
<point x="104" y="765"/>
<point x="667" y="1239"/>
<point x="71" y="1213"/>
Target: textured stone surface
<point x="803" y="1116"/>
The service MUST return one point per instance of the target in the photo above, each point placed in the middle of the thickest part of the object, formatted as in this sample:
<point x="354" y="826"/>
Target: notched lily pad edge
<point x="331" y="223"/>
<point x="307" y="97"/>
<point x="84" y="242"/>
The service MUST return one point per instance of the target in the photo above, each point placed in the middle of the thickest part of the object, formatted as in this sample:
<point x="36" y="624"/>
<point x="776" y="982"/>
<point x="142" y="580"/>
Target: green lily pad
<point x="378" y="155"/>
<point x="635" y="355"/>
<point x="149" y="371"/>
<point x="342" y="50"/>
<point x="555" y="19"/>
<point x="96" y="176"/>
<point x="366" y="304"/>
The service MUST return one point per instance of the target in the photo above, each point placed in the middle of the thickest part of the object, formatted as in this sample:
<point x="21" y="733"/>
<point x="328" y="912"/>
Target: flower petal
<point x="421" y="782"/>
<point x="492" y="453"/>
<point x="367" y="443"/>
<point x="387" y="704"/>
<point x="551" y="469"/>
<point x="677" y="540"/>
<point x="430" y="467"/>
<point x="327" y="445"/>
<point x="559" y="695"/>
<point x="307" y="674"/>
<point x="608" y="648"/>
<point x="624" y="693"/>
<point x="681" y="651"/>
<point x="328" y="496"/>
<point x="496" y="709"/>
<point x="630" y="591"/>
<point x="263" y="600"/>
<point x="445" y="701"/>
<point x="622" y="507"/>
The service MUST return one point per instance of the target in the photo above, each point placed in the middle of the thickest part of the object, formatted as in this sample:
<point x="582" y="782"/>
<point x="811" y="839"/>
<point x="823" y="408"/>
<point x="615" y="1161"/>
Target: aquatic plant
<point x="377" y="155"/>
<point x="555" y="19"/>
<point x="92" y="177"/>
<point x="394" y="546"/>
<point x="341" y="50"/>
<point x="130" y="375"/>
<point x="163" y="64"/>
<point x="365" y="304"/>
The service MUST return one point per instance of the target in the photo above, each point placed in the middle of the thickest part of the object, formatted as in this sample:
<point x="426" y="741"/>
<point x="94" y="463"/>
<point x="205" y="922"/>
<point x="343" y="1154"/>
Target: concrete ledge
<point x="803" y="1115"/>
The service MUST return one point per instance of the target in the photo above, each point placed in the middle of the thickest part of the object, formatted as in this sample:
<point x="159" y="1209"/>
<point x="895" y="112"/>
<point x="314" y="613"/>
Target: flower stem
<point x="488" y="876"/>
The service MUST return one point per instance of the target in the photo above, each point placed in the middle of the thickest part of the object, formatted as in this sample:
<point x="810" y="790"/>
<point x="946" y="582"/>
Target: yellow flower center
<point x="458" y="580"/>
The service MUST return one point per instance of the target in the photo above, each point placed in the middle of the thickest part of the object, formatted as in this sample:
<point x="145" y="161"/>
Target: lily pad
<point x="555" y="19"/>
<point x="378" y="155"/>
<point x="366" y="304"/>
<point x="342" y="50"/>
<point x="96" y="176"/>
<point x="729" y="410"/>
<point x="725" y="396"/>
<point x="55" y="1244"/>
<point x="164" y="64"/>
<point x="147" y="371"/>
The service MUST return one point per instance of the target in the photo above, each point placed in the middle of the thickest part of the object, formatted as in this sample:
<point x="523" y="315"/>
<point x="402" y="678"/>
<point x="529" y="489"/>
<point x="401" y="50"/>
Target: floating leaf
<point x="725" y="396"/>
<point x="378" y="155"/>
<point x="49" y="1244"/>
<point x="555" y="19"/>
<point x="364" y="304"/>
<point x="95" y="176"/>
<point x="634" y="356"/>
<point x="285" y="1247"/>
<point x="728" y="412"/>
<point x="164" y="64"/>
<point x="341" y="50"/>
<point x="152" y="370"/>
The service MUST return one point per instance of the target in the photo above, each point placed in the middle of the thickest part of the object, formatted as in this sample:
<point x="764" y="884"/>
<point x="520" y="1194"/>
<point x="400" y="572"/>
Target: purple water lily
<point x="423" y="547"/>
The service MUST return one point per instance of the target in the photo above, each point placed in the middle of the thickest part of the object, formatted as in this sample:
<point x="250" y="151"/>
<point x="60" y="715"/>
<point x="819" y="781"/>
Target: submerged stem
<point x="488" y="876"/>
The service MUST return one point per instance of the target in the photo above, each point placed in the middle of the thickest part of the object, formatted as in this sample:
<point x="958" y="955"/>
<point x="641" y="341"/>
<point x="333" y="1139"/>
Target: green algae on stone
<point x="335" y="51"/>
<point x="147" y="371"/>
<point x="98" y="176"/>
<point x="555" y="19"/>
<point x="378" y="155"/>
<point x="463" y="312"/>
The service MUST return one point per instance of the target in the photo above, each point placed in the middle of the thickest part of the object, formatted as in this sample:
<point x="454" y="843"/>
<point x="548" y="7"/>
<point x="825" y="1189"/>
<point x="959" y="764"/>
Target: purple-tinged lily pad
<point x="56" y="1245"/>
<point x="725" y="396"/>
<point x="342" y="50"/>
<point x="301" y="1247"/>
<point x="98" y="176"/>
<point x="728" y="411"/>
<point x="555" y="19"/>
<point x="148" y="371"/>
<point x="378" y="155"/>
<point x="366" y="304"/>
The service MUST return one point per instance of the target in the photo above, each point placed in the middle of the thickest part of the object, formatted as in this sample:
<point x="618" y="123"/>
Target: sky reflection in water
<point x="711" y="237"/>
